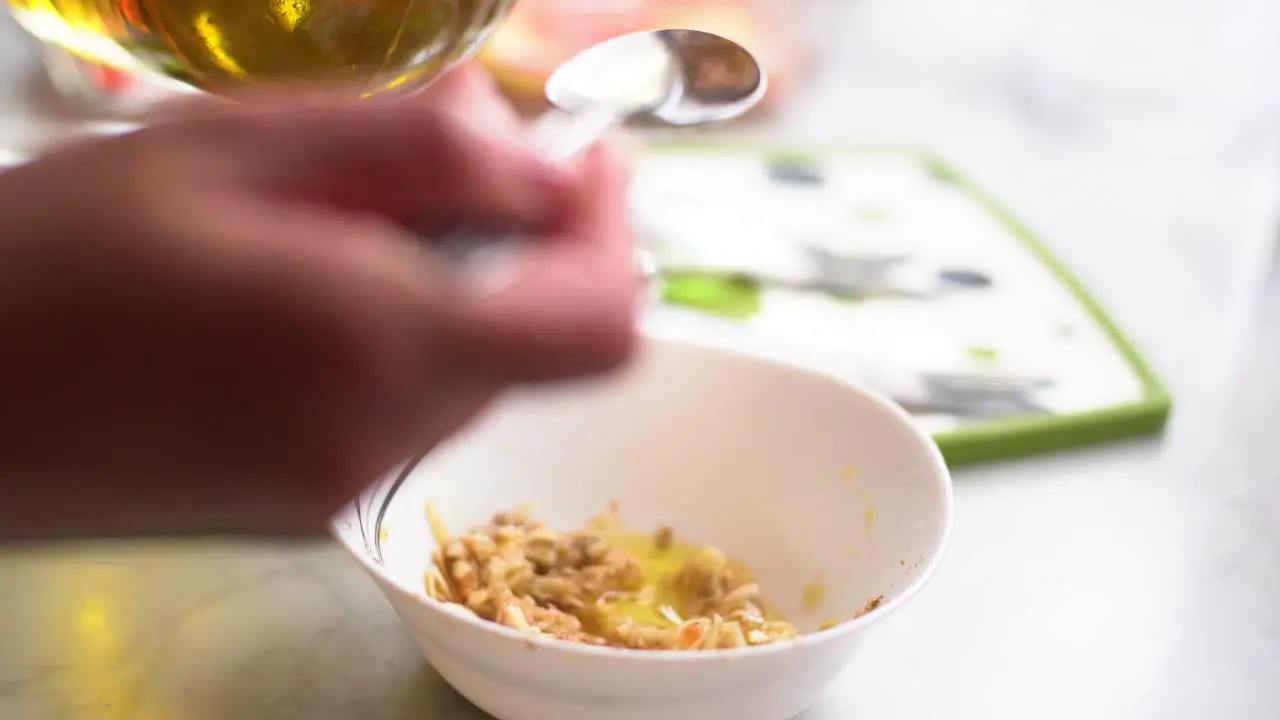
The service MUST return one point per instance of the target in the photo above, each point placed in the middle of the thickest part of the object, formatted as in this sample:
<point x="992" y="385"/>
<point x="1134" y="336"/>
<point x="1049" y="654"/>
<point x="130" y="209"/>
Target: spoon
<point x="681" y="78"/>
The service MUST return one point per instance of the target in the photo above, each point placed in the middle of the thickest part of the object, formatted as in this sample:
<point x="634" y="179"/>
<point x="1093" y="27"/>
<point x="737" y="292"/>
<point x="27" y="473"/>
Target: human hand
<point x="222" y="323"/>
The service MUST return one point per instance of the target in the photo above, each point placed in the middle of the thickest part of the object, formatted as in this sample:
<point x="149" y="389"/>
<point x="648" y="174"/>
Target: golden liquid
<point x="220" y="44"/>
<point x="660" y="567"/>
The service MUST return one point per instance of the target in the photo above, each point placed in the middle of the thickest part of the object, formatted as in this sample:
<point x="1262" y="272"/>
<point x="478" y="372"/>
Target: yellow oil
<point x="814" y="593"/>
<point x="213" y="44"/>
<point x="660" y="568"/>
<point x="661" y="565"/>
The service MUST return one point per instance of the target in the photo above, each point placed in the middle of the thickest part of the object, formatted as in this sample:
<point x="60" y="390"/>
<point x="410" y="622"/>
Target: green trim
<point x="1016" y="437"/>
<point x="728" y="296"/>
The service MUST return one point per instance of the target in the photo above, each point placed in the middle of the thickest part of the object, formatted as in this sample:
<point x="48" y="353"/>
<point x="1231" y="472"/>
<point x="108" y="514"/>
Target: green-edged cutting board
<point x="945" y="302"/>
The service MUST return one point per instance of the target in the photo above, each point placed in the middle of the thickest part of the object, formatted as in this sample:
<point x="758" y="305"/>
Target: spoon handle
<point x="557" y="135"/>
<point x="561" y="136"/>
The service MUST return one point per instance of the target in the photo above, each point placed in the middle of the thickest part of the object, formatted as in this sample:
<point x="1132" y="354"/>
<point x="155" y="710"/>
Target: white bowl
<point x="802" y="476"/>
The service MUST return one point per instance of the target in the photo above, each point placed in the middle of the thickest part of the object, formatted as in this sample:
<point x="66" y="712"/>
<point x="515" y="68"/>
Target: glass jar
<point x="542" y="34"/>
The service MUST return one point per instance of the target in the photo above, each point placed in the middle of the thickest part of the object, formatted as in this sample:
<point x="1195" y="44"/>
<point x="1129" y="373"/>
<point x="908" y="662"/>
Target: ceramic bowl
<point x="812" y="481"/>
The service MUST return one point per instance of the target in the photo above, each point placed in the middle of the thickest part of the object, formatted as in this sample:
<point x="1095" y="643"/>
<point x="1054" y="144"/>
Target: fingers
<point x="392" y="334"/>
<point x="471" y="94"/>
<point x="569" y="309"/>
<point x="403" y="161"/>
<point x="346" y="346"/>
<point x="603" y="210"/>
<point x="453" y="154"/>
<point x="372" y="352"/>
<point x="570" y="306"/>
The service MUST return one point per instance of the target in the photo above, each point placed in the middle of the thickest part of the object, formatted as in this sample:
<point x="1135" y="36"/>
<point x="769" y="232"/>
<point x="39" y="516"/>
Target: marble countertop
<point x="1140" y="580"/>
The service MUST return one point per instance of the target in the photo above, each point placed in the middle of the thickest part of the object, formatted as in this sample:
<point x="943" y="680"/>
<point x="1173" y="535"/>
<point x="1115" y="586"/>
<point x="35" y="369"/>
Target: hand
<point x="222" y="323"/>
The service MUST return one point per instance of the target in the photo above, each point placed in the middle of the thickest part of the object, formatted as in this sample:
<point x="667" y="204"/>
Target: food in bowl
<point x="601" y="585"/>
<point x="727" y="448"/>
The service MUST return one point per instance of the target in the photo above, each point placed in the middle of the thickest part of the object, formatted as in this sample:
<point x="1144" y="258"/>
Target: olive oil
<point x="664" y="603"/>
<point x="219" y="44"/>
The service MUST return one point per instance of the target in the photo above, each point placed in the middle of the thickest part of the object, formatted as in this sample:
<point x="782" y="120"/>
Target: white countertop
<point x="1135" y="581"/>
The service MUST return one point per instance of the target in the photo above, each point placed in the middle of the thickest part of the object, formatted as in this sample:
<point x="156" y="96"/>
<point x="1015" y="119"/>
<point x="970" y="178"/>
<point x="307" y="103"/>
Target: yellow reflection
<point x="216" y="44"/>
<point x="78" y="26"/>
<point x="290" y="13"/>
<point x="398" y="81"/>
<point x="93" y="621"/>
<point x="97" y="664"/>
<point x="91" y="634"/>
<point x="82" y="16"/>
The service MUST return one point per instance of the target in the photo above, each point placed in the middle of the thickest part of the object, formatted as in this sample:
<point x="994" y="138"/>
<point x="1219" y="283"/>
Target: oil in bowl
<point x="602" y="585"/>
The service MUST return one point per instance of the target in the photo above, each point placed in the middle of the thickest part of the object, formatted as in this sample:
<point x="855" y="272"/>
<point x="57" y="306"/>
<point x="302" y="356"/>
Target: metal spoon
<point x="677" y="77"/>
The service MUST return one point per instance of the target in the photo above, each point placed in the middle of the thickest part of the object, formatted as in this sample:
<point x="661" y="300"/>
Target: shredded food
<point x="586" y="586"/>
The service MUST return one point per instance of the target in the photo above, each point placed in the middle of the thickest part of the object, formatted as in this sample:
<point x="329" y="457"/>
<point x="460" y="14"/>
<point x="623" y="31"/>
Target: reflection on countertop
<point x="180" y="631"/>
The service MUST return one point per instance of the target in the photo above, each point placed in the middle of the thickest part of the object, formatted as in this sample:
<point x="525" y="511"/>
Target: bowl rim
<point x="941" y="475"/>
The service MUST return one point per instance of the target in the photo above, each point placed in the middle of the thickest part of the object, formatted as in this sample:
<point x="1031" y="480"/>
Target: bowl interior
<point x="825" y="491"/>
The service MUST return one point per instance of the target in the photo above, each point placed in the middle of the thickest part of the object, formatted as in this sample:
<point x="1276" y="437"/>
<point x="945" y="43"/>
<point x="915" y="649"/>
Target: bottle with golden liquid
<point x="217" y="45"/>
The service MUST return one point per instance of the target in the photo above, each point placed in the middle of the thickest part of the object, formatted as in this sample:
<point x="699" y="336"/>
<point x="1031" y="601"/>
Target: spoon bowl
<point x="678" y="77"/>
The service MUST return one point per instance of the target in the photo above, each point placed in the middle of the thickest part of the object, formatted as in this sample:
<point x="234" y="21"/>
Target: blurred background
<point x="1139" y="141"/>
